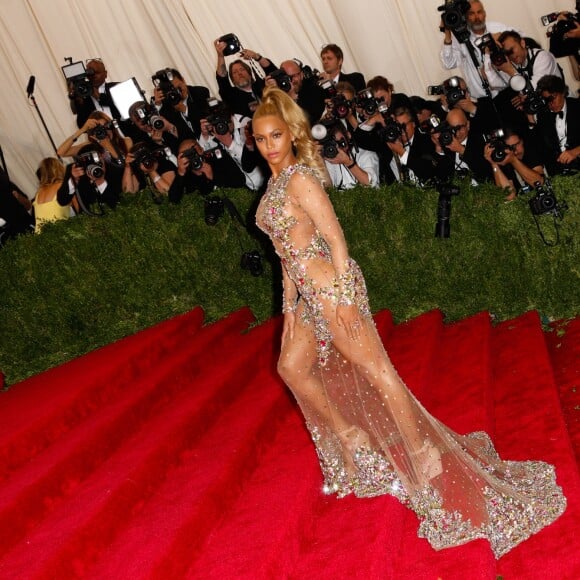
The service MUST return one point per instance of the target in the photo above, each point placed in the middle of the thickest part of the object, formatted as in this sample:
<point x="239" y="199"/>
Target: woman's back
<point x="46" y="206"/>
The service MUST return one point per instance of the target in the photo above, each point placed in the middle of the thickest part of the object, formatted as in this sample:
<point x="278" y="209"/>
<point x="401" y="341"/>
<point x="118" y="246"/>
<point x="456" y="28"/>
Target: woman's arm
<point x="307" y="192"/>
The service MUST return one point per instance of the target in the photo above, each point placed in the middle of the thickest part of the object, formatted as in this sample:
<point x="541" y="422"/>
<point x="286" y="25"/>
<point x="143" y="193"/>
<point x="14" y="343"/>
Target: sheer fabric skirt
<point x="373" y="437"/>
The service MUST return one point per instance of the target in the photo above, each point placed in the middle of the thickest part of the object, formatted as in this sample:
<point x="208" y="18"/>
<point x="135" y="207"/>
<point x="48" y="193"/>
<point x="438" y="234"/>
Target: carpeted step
<point x="564" y="347"/>
<point x="38" y="491"/>
<point x="368" y="527"/>
<point x="458" y="392"/>
<point x="168" y="530"/>
<point x="530" y="425"/>
<point x="41" y="409"/>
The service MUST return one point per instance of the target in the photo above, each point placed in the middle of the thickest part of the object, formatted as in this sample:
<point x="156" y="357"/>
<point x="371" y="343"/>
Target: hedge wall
<point x="88" y="281"/>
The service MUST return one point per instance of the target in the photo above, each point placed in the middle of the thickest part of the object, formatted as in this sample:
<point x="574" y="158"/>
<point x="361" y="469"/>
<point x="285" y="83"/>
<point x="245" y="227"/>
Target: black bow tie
<point x="559" y="114"/>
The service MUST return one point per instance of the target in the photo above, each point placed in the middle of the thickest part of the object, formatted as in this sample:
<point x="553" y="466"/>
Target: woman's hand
<point x="348" y="317"/>
<point x="288" y="328"/>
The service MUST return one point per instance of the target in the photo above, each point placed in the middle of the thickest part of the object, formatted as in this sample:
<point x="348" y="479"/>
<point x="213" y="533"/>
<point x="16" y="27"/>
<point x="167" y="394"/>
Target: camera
<point x="451" y="89"/>
<point x="91" y="163"/>
<point x="100" y="132"/>
<point x="213" y="209"/>
<point x="232" y="42"/>
<point x="443" y="129"/>
<point x="324" y="133"/>
<point x="545" y="202"/>
<point x="218" y="117"/>
<point x="328" y="88"/>
<point x="282" y="79"/>
<point x="148" y="115"/>
<point x="162" y="80"/>
<point x="365" y="101"/>
<point x="391" y="131"/>
<point x="500" y="148"/>
<point x="446" y="192"/>
<point x="196" y="160"/>
<point x="340" y="106"/>
<point x="309" y="73"/>
<point x="567" y="23"/>
<point x="79" y="79"/>
<point x="252" y="261"/>
<point x="147" y="157"/>
<point x="534" y="102"/>
<point x="454" y="18"/>
<point x="496" y="53"/>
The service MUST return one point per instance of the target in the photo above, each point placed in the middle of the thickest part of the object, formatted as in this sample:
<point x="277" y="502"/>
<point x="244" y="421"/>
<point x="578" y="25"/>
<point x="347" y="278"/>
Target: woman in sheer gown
<point x="371" y="434"/>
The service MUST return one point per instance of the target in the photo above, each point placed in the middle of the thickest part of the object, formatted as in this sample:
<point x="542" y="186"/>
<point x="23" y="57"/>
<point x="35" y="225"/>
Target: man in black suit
<point x="244" y="91"/>
<point x="307" y="93"/>
<point x="413" y="153"/>
<point x="181" y="104"/>
<point x="332" y="57"/>
<point x="558" y="127"/>
<point x="465" y="152"/>
<point x="100" y="97"/>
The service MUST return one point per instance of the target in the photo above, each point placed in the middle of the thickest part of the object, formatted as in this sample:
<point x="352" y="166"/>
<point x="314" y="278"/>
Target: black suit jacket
<point x="422" y="157"/>
<point x="84" y="107"/>
<point x="196" y="110"/>
<point x="548" y="137"/>
<point x="238" y="100"/>
<point x="356" y="79"/>
<point x="311" y="99"/>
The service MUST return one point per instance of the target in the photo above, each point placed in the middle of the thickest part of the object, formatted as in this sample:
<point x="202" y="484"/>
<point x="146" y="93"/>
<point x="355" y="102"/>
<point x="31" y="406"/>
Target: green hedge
<point x="91" y="280"/>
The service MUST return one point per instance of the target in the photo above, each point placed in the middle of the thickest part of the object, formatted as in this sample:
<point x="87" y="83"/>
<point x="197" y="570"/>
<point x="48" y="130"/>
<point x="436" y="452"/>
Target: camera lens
<point x="213" y="210"/>
<point x="330" y="150"/>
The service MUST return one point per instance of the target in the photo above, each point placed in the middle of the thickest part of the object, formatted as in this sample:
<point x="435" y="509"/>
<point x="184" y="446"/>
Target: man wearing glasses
<point x="558" y="127"/>
<point x="516" y="163"/>
<point x="307" y="93"/>
<point x="464" y="154"/>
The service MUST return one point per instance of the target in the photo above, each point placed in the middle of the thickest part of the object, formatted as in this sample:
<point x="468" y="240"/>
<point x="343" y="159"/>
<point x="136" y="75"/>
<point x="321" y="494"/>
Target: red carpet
<point x="178" y="453"/>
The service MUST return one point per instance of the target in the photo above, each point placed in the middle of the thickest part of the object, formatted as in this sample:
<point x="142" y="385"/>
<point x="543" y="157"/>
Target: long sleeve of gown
<point x="315" y="202"/>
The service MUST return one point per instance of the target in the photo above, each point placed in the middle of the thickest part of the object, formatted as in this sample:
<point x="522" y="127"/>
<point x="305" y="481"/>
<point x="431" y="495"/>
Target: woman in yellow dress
<point x="46" y="207"/>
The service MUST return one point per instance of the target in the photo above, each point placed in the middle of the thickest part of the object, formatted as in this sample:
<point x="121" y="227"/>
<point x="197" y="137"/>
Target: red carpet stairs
<point x="178" y="453"/>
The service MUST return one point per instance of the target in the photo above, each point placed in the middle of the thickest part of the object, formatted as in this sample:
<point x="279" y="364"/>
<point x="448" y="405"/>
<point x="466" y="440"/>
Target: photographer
<point x="90" y="180"/>
<point x="244" y="91"/>
<point x="153" y="128"/>
<point x="99" y="98"/>
<point x="99" y="128"/>
<point x="413" y="157"/>
<point x="230" y="133"/>
<point x="148" y="166"/>
<point x="558" y="127"/>
<point x="203" y="171"/>
<point x="306" y="92"/>
<point x="564" y="34"/>
<point x="347" y="166"/>
<point x="460" y="149"/>
<point x="516" y="162"/>
<point x="529" y="62"/>
<point x="181" y="104"/>
<point x="331" y="57"/>
<point x="454" y="53"/>
<point x="455" y="94"/>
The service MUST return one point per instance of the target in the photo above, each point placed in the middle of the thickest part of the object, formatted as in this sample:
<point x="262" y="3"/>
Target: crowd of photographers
<point x="509" y="119"/>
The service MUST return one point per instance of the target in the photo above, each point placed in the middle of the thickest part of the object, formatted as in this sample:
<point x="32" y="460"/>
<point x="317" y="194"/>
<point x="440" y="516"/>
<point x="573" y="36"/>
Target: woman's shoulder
<point x="302" y="172"/>
<point x="303" y="179"/>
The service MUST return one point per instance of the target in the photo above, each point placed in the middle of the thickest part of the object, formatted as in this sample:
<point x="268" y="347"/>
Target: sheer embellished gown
<point x="371" y="434"/>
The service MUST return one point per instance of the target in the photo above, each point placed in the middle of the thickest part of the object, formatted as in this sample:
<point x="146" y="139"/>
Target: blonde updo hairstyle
<point x="276" y="102"/>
